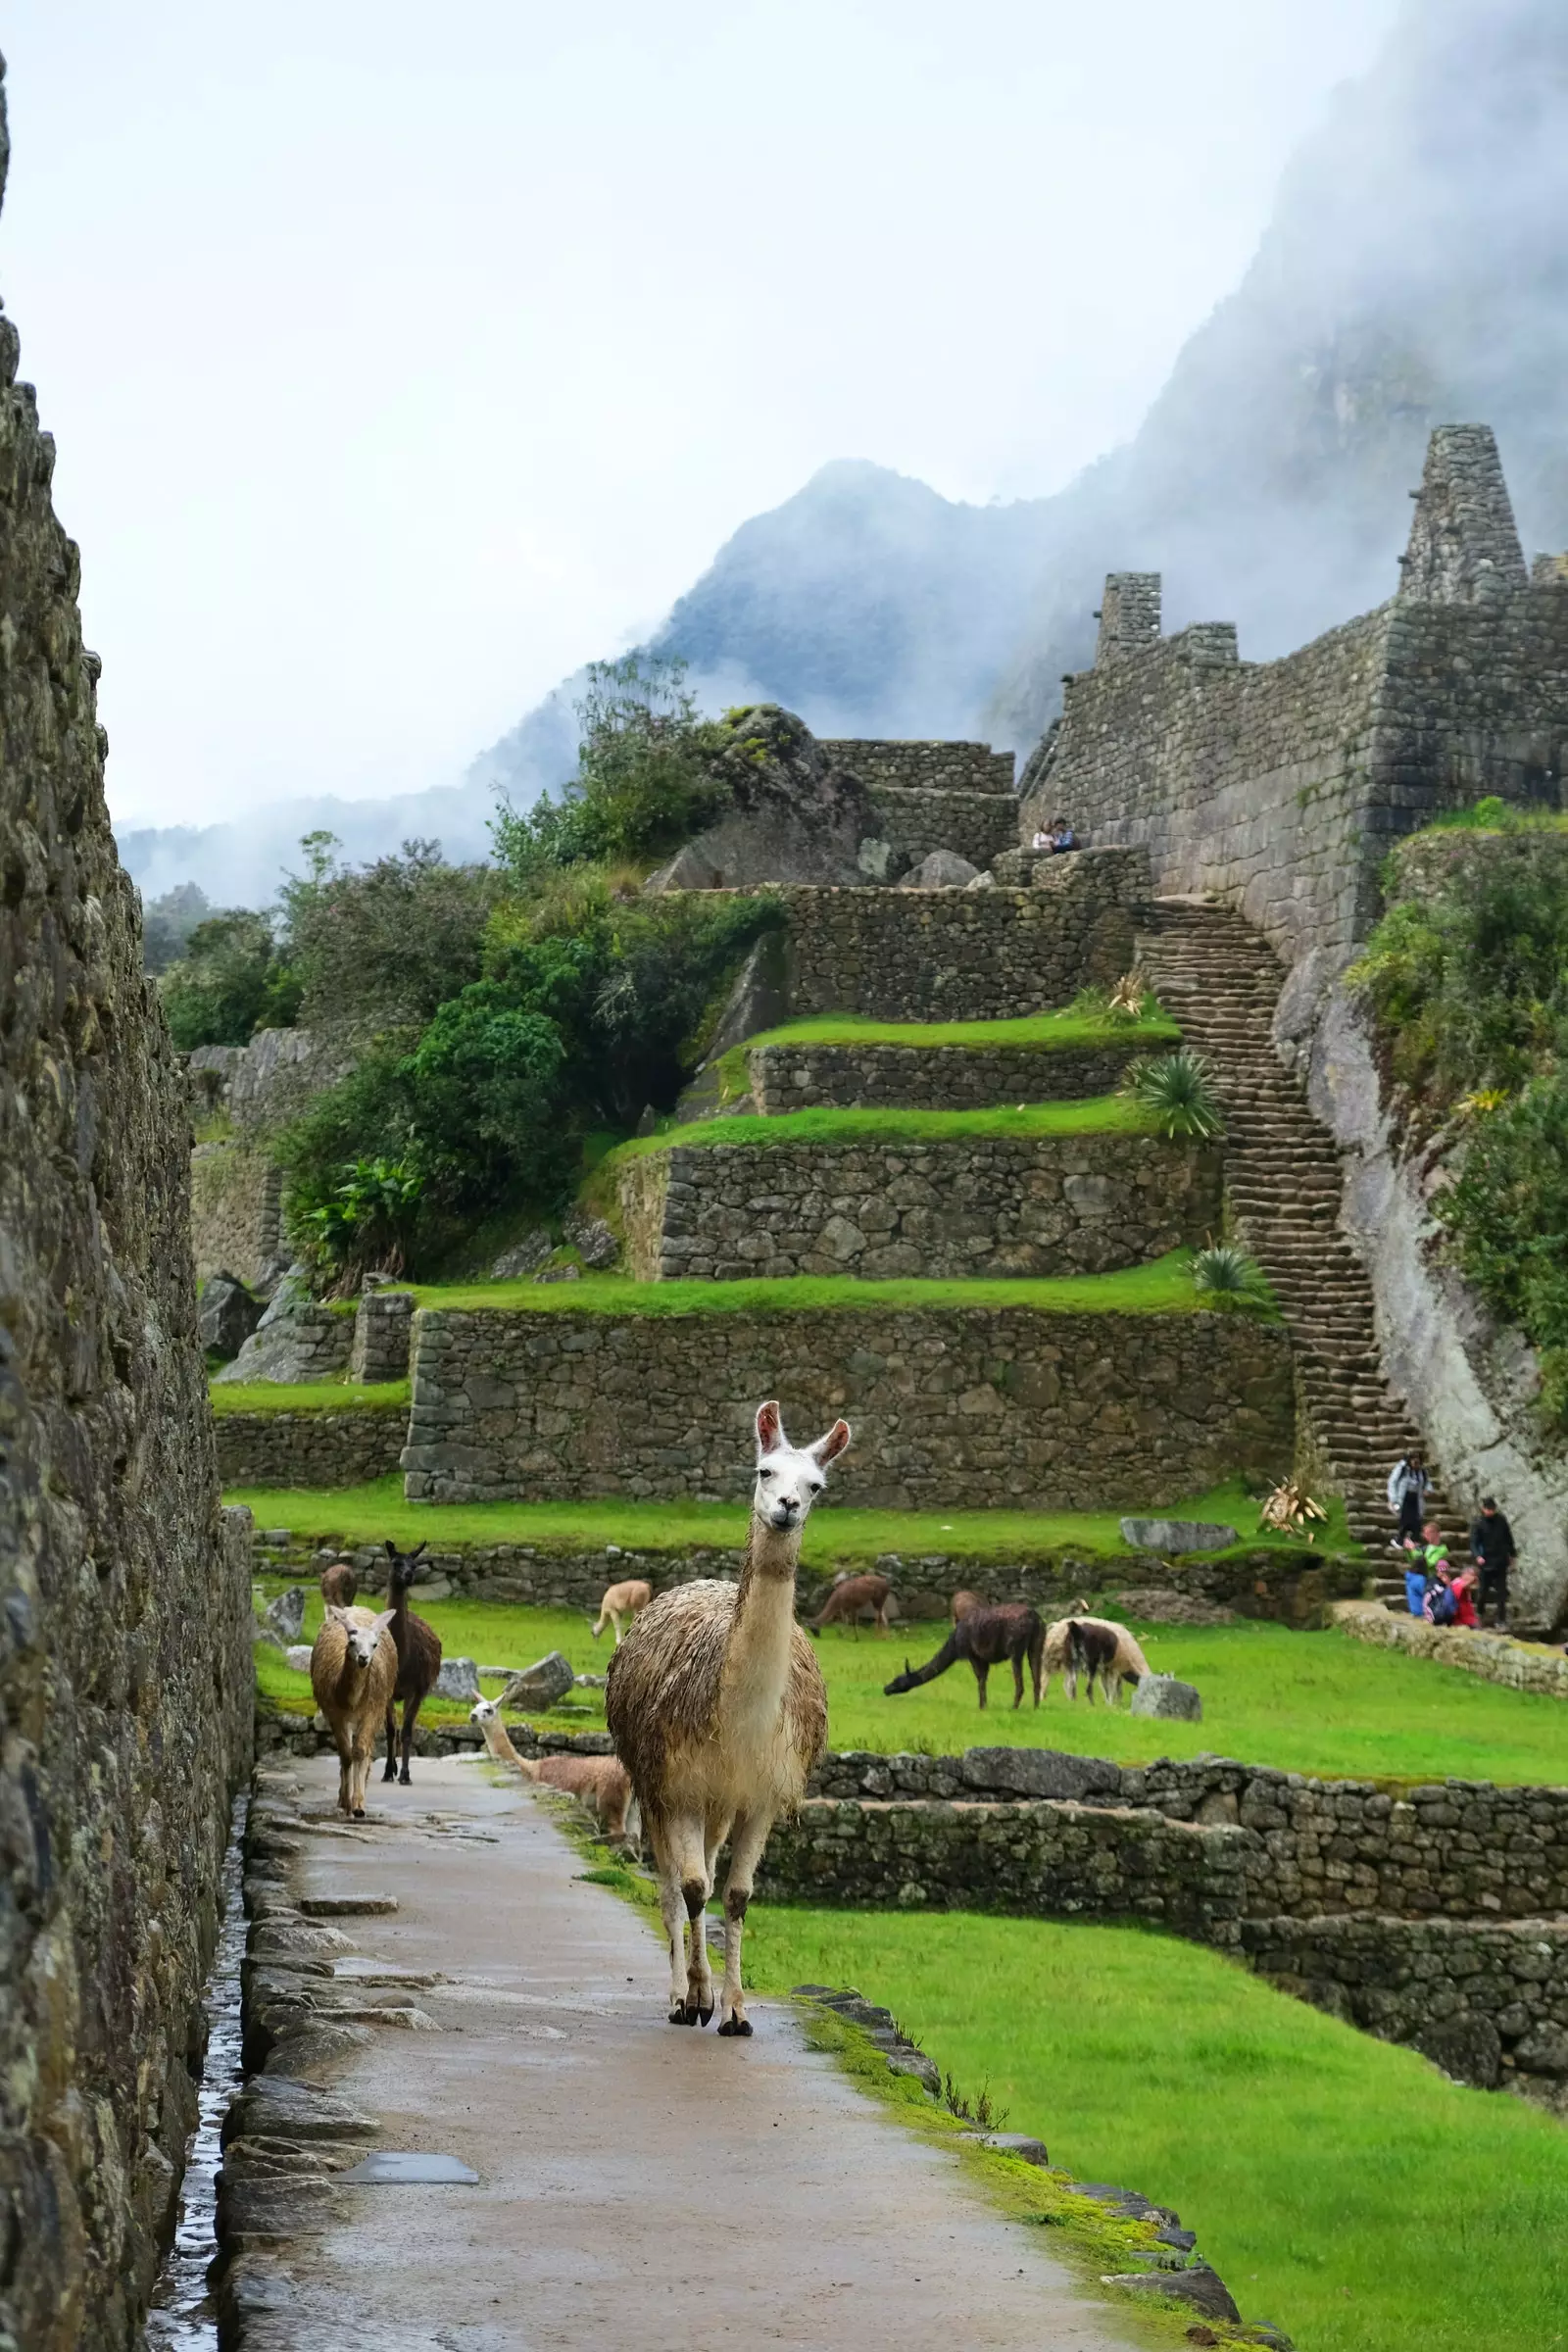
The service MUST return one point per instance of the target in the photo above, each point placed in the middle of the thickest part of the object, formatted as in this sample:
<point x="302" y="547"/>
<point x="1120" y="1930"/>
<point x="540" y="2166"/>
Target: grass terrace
<point x="1100" y="1114"/>
<point x="1036" y="1032"/>
<point x="1164" y="1287"/>
<point x="308" y="1397"/>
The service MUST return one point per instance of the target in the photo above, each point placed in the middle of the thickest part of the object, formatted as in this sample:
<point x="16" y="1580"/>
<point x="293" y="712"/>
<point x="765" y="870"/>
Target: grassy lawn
<point x="1094" y="1114"/>
<point x="310" y="1397"/>
<point x="368" y="1514"/>
<point x="1038" y="1032"/>
<point x="1164" y="1287"/>
<point x="1343" y="2189"/>
<point x="1303" y="1702"/>
<point x="488" y="1632"/>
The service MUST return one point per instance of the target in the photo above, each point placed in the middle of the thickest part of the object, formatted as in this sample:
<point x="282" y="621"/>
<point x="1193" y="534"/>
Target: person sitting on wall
<point x="1042" y="841"/>
<point x="1415" y="1583"/>
<point x="1062" y="836"/>
<point x="1491" y="1549"/>
<point x="1465" y="1598"/>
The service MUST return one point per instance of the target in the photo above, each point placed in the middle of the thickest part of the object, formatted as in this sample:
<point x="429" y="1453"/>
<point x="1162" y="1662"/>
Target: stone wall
<point x="963" y="955"/>
<point x="978" y="825"/>
<point x="237" y="1213"/>
<point x="1280" y="786"/>
<point x="265" y="1083"/>
<point x="310" y="1448"/>
<point x="964" y="1205"/>
<point x="932" y="1077"/>
<point x="1492" y="1656"/>
<point x="954" y="1407"/>
<point x="933" y="766"/>
<point x="125" y="1609"/>
<point x="319" y="1341"/>
<point x="382" y="1321"/>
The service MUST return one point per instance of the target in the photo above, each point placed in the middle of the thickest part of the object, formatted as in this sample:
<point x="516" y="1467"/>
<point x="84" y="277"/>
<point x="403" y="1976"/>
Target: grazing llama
<point x="1100" y="1649"/>
<point x="601" y="1782"/>
<point x="849" y="1596"/>
<point x="418" y="1659"/>
<point x="339" y="1585"/>
<point x="621" y="1600"/>
<point x="1010" y="1630"/>
<point x="964" y="1603"/>
<point x="353" y="1668"/>
<point x="720" y="1712"/>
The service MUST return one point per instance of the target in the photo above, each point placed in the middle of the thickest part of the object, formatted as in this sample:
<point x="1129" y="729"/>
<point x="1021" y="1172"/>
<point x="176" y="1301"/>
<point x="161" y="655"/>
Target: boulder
<point x="1203" y="2288"/>
<point x="559" y="1274"/>
<point x="1162" y="1694"/>
<point x="1036" y="1772"/>
<point x="524" y="1258"/>
<point x="540" y="1686"/>
<point x="458" y="1677"/>
<point x="295" y="1339"/>
<point x="943" y="870"/>
<point x="593" y="1242"/>
<point x="758" y="1001"/>
<point x="286" y="1616"/>
<point x="299" y="1657"/>
<point x="1178" y="1535"/>
<point x="783" y="811"/>
<point x="986" y="881"/>
<point x="226" y="1314"/>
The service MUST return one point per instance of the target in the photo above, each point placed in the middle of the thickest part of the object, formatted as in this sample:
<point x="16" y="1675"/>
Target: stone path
<point x="638" y="2184"/>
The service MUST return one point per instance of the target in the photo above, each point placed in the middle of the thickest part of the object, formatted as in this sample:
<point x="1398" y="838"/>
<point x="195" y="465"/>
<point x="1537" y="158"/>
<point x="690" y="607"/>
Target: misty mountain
<point x="1415" y="272"/>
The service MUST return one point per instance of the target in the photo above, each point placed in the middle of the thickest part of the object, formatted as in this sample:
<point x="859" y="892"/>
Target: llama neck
<point x="756" y="1658"/>
<point x="349" y="1676"/>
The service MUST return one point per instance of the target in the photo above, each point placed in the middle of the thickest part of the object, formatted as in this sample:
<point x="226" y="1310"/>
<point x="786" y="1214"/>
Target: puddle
<point x="408" y="2164"/>
<point x="182" y="2318"/>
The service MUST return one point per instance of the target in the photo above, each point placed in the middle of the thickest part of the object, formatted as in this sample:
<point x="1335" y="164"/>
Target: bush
<point x="1506" y="1216"/>
<point x="1177" y="1089"/>
<point x="233" y="980"/>
<point x="368" y="1220"/>
<point x="1224" y="1276"/>
<point x="384" y="947"/>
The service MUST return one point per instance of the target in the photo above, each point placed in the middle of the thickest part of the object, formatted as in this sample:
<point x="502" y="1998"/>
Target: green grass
<point x="1100" y="1115"/>
<point x="308" y="1397"/>
<point x="1343" y="2189"/>
<point x="490" y="1633"/>
<point x="1162" y="1287"/>
<point x="1039" y="1032"/>
<point x="368" y="1514"/>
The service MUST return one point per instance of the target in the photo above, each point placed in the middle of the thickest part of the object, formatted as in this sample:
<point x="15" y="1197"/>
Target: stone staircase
<point x="1221" y="979"/>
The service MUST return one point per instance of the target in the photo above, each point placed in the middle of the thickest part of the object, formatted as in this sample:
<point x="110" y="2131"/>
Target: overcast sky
<point x="400" y="358"/>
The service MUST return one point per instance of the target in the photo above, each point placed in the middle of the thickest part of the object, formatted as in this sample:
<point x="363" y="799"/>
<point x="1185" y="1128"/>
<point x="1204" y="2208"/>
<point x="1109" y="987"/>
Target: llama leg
<point x="982" y="1668"/>
<point x="391" y="1772"/>
<point x="747" y="1840"/>
<point x="1017" y="1679"/>
<point x="410" y="1709"/>
<point x="691" y="1998"/>
<point x="345" y="1782"/>
<point x="672" y="1911"/>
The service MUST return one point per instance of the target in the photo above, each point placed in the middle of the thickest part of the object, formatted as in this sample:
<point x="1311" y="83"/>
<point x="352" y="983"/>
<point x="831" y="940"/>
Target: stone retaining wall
<point x="932" y="1077"/>
<point x="379" y="1349"/>
<point x="924" y="767"/>
<point x="236" y="1209"/>
<point x="1492" y="1656"/>
<point x="964" y="954"/>
<point x="963" y="1406"/>
<point x="310" y="1448"/>
<point x="964" y="1205"/>
<point x="977" y="825"/>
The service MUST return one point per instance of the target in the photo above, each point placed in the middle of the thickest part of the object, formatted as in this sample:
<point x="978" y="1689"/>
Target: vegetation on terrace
<point x="1344" y="2189"/>
<point x="1099" y="1114"/>
<point x="308" y="1397"/>
<point x="1085" y="1024"/>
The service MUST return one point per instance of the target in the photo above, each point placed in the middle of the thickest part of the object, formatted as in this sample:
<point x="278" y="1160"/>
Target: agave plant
<point x="1225" y="1276"/>
<point x="1288" y="1509"/>
<point x="1177" y="1089"/>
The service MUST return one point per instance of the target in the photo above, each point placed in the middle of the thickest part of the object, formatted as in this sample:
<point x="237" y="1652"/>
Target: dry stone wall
<point x="310" y="1448"/>
<point x="951" y="1407"/>
<point x="382" y="1321"/>
<point x="125" y="1609"/>
<point x="795" y="1077"/>
<point x="978" y="825"/>
<point x="919" y="765"/>
<point x="970" y="1206"/>
<point x="964" y="954"/>
<point x="237" y="1214"/>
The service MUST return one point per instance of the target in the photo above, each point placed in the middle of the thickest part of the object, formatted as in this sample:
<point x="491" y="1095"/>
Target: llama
<point x="418" y="1659"/>
<point x="964" y="1603"/>
<point x="849" y="1597"/>
<point x="719" y="1709"/>
<point x="353" y="1670"/>
<point x="621" y="1600"/>
<point x="601" y="1782"/>
<point x="1012" y="1629"/>
<point x="339" y="1585"/>
<point x="1100" y="1649"/>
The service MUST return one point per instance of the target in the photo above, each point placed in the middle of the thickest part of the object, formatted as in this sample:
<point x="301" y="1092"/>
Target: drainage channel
<point x="181" y="2316"/>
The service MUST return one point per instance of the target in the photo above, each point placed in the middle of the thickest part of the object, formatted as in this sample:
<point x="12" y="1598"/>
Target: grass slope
<point x="368" y="1514"/>
<point x="1097" y="1115"/>
<point x="1302" y="1702"/>
<point x="1036" y="1032"/>
<point x="308" y="1397"/>
<point x="1164" y="1287"/>
<point x="1343" y="2189"/>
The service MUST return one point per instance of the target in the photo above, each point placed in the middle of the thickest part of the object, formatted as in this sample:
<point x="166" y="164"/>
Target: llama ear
<point x="419" y="1553"/>
<point x="384" y="1620"/>
<point x="827" y="1449"/>
<point x="769" y="1428"/>
<point x="391" y="1549"/>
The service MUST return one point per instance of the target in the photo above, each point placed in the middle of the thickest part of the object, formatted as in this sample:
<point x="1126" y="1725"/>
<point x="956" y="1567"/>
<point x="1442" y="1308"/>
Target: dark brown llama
<point x="339" y="1585"/>
<point x="418" y="1649"/>
<point x="1010" y="1630"/>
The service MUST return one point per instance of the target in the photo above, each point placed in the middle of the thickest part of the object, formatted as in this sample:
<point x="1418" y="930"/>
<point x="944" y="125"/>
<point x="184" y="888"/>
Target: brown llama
<point x="964" y="1605"/>
<point x="621" y="1600"/>
<point x="720" y="1712"/>
<point x="600" y="1782"/>
<point x="353" y="1668"/>
<point x="1101" y="1649"/>
<point x="849" y="1597"/>
<point x="1010" y="1630"/>
<point x="339" y="1585"/>
<point x="418" y="1659"/>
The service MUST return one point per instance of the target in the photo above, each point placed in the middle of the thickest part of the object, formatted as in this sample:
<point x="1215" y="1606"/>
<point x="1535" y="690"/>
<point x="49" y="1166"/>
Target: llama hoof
<point x="705" y="2017"/>
<point x="359" y="1812"/>
<point x="738" y="2025"/>
<point x="391" y="1772"/>
<point x="403" y="1777"/>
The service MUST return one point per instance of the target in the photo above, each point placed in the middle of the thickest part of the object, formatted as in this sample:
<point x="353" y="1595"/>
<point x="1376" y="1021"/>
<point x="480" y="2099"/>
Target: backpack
<point x="1444" y="1608"/>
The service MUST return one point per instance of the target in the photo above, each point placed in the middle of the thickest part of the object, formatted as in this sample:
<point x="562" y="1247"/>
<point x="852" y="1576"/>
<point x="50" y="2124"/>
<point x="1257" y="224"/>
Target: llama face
<point x="789" y="1479"/>
<point x="485" y="1712"/>
<point x="403" y="1566"/>
<point x="361" y="1638"/>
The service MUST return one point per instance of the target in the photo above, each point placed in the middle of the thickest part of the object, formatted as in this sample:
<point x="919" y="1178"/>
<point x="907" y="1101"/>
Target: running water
<point x="182" y="2318"/>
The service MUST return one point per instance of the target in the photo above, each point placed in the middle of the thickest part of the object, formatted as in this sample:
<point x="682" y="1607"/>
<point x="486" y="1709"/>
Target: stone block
<point x="1162" y="1694"/>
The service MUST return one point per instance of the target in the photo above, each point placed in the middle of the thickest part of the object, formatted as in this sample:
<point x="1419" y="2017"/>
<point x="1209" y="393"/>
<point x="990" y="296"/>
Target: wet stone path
<point x="635" y="2185"/>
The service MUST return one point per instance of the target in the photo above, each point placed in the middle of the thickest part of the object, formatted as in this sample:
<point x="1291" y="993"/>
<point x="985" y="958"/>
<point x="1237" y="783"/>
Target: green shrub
<point x="232" y="979"/>
<point x="1175" y="1089"/>
<point x="368" y="1220"/>
<point x="1224" y="1276"/>
<point x="383" y="948"/>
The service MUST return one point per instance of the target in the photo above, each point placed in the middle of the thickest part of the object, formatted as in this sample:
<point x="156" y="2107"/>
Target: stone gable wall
<point x="963" y="955"/>
<point x="970" y="1206"/>
<point x="932" y="1077"/>
<point x="126" y="1676"/>
<point x="924" y="767"/>
<point x="951" y="1407"/>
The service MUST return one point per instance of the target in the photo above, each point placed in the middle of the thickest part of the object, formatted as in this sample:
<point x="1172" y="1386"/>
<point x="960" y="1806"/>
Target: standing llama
<point x="418" y="1658"/>
<point x="719" y="1714"/>
<point x="621" y="1600"/>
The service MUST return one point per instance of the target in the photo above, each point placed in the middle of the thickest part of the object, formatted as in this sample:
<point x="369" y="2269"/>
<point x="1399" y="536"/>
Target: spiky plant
<point x="1177" y="1089"/>
<point x="1225" y="1276"/>
<point x="1128" y="998"/>
<point x="1288" y="1508"/>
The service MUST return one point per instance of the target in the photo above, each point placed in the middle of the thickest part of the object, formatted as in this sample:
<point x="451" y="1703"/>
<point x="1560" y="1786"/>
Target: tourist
<point x="1042" y="841"/>
<point x="1062" y="836"/>
<point x="1415" y="1583"/>
<point x="1464" y="1598"/>
<point x="1408" y="1482"/>
<point x="1491" y="1549"/>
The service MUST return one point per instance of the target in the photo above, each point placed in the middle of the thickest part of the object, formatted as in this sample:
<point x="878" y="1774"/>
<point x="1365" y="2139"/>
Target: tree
<point x="231" y="981"/>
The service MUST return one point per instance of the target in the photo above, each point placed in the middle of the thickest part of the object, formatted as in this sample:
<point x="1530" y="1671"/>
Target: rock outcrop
<point x="125" y="1609"/>
<point x="791" y="816"/>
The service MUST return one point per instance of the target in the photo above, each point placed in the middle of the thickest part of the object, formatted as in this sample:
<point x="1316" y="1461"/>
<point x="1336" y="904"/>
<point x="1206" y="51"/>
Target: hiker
<point x="1491" y="1549"/>
<point x="1408" y="1482"/>
<point x="1042" y="841"/>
